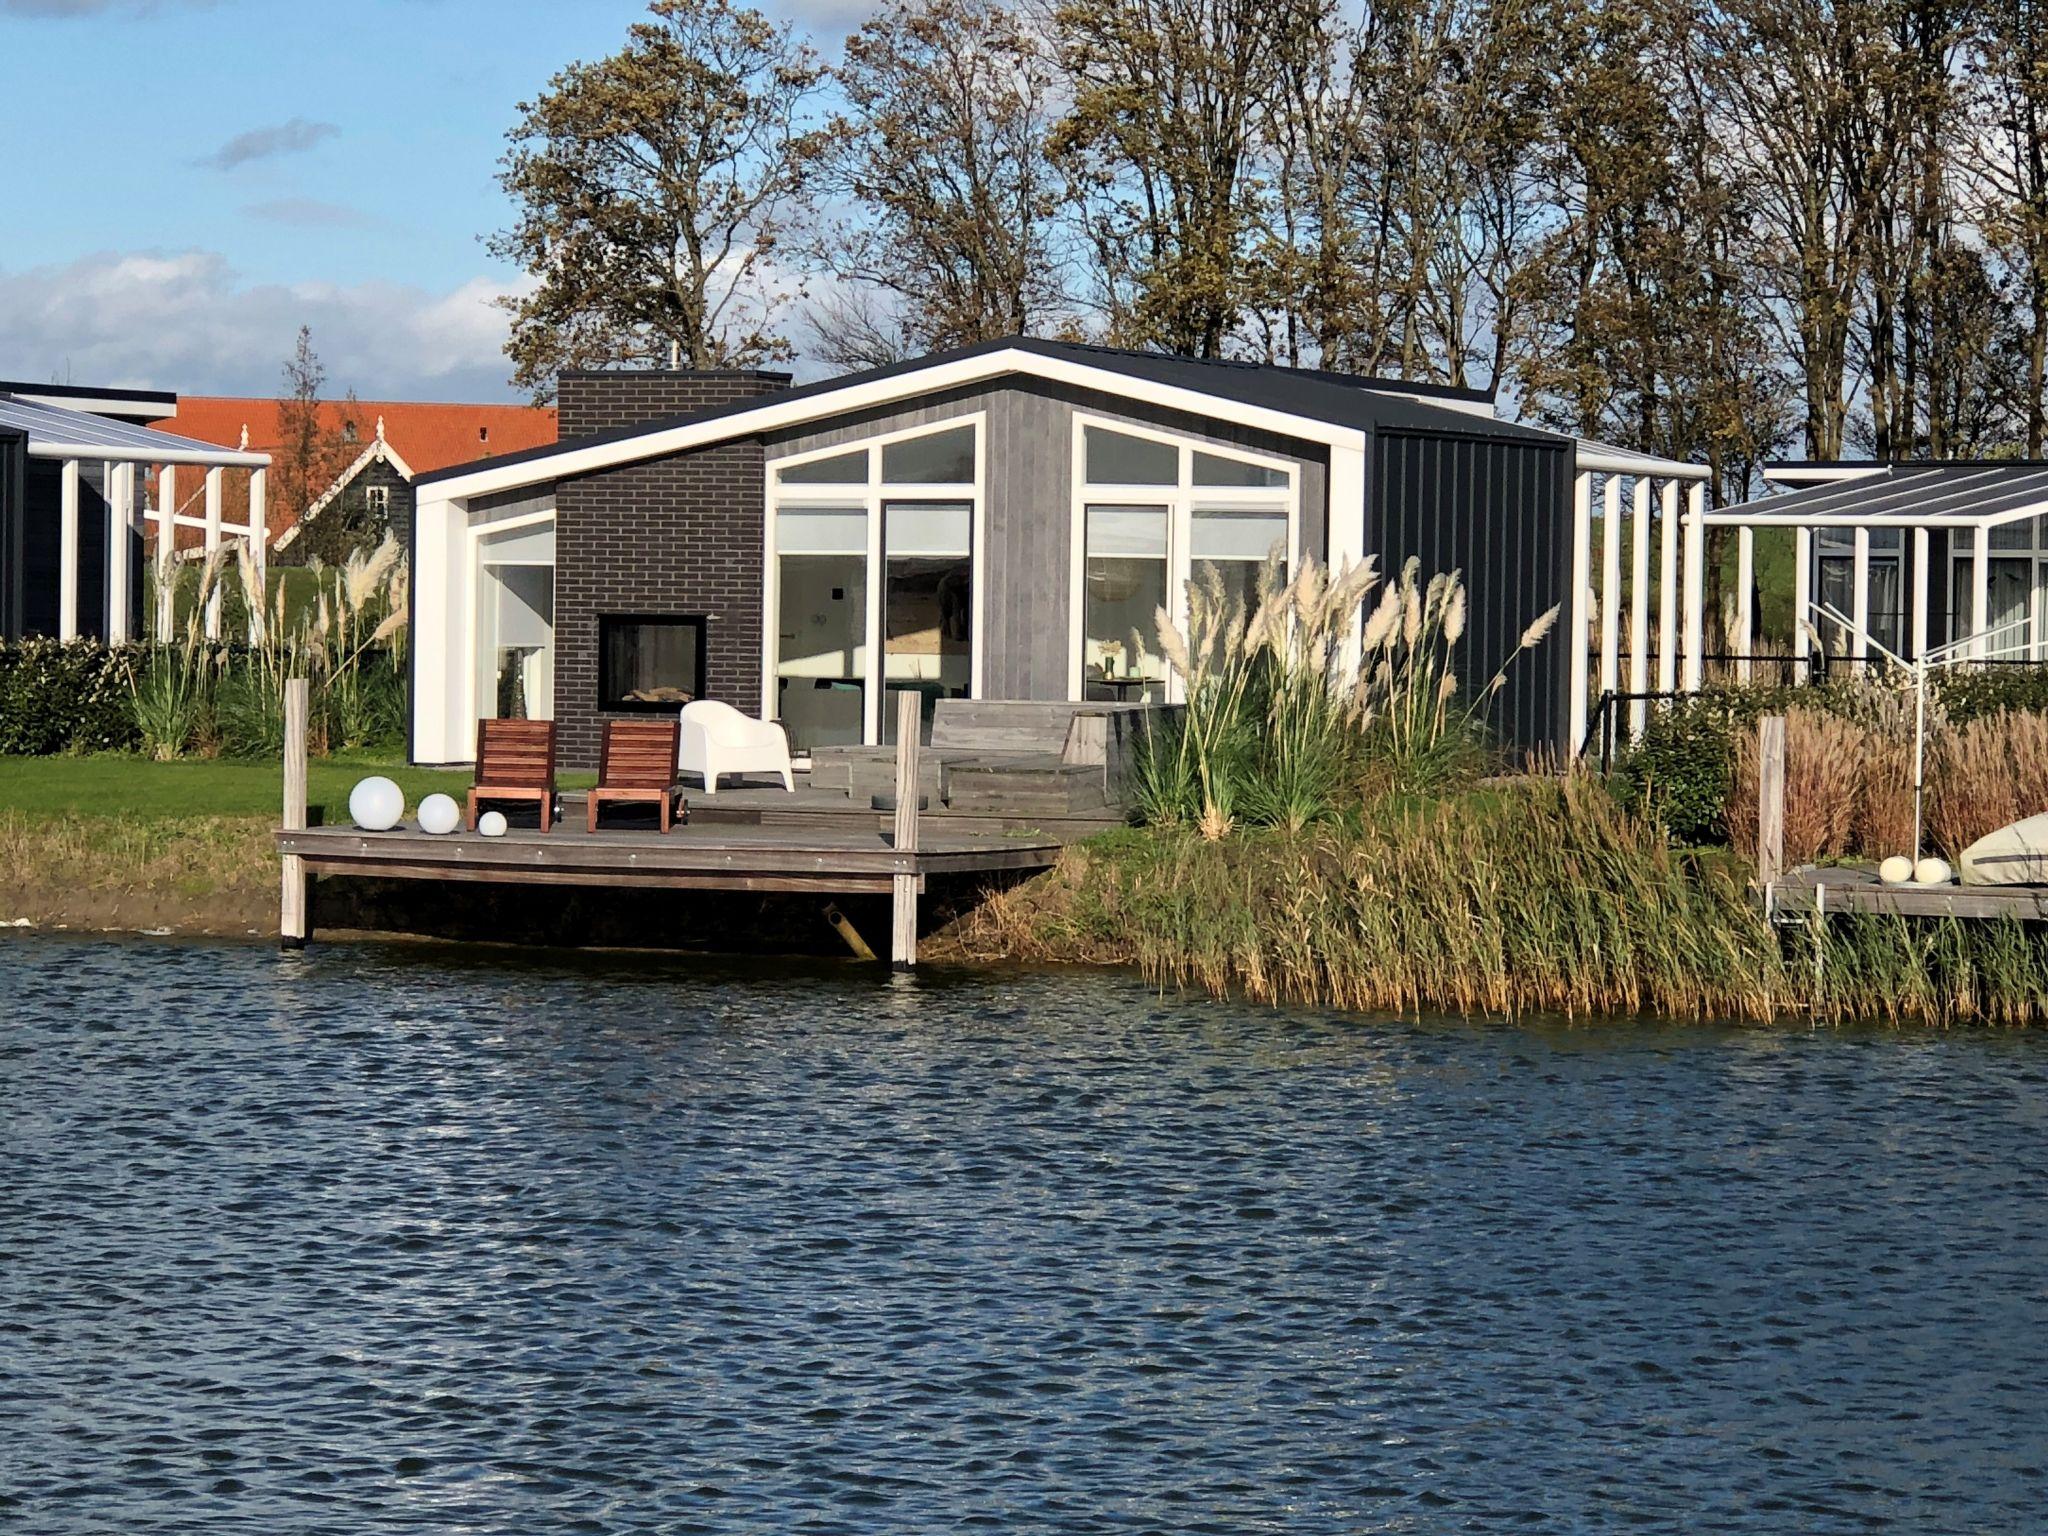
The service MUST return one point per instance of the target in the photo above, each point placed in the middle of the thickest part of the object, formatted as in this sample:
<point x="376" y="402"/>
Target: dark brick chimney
<point x="606" y="399"/>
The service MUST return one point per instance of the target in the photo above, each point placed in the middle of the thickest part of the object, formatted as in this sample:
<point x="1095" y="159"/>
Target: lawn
<point x="138" y="789"/>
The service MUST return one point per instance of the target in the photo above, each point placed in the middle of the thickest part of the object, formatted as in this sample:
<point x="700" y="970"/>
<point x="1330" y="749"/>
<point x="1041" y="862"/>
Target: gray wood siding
<point x="1025" y="568"/>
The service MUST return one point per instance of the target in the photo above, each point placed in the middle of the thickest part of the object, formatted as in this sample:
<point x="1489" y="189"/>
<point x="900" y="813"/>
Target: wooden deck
<point x="698" y="856"/>
<point x="1803" y="892"/>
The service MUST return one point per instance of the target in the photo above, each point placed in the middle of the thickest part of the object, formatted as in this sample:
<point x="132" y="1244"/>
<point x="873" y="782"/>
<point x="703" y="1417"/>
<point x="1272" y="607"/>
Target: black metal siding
<point x="13" y="510"/>
<point x="1499" y="511"/>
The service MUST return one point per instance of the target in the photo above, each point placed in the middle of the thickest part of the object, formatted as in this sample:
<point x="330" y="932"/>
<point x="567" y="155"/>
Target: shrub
<point x="1682" y="770"/>
<point x="1971" y="693"/>
<point x="71" y="697"/>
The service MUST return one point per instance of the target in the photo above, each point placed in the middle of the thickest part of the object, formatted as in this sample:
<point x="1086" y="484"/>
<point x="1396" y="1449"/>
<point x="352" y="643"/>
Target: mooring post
<point x="291" y="922"/>
<point x="903" y="927"/>
<point x="1770" y="799"/>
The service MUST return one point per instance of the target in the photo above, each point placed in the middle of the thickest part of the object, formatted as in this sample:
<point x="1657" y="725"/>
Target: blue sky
<point x="189" y="180"/>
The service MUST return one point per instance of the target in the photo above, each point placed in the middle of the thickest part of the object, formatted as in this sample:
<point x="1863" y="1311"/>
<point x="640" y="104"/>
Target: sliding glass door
<point x="821" y="666"/>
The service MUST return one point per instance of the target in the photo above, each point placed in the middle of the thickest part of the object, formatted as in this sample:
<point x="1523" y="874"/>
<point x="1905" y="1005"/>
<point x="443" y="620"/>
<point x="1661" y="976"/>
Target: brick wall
<point x="606" y="399"/>
<point x="680" y="535"/>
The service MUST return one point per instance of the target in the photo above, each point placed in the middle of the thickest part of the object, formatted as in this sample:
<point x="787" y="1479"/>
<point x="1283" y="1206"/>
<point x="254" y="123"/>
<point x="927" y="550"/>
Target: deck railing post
<point x="903" y="927"/>
<point x="1770" y="799"/>
<point x="292" y="924"/>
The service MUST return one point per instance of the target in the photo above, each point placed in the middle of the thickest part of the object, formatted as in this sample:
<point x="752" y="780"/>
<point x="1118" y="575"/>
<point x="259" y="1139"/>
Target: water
<point x="396" y="1240"/>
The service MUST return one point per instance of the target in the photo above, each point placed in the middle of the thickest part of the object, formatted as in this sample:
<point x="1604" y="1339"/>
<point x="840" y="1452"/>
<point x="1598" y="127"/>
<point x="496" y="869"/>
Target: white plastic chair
<point x="718" y="739"/>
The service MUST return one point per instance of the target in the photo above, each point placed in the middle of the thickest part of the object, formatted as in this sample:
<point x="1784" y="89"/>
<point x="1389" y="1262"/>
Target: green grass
<point x="136" y="788"/>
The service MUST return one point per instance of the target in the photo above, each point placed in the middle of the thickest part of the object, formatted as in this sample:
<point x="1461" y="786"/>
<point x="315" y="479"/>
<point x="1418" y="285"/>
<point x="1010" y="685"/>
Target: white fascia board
<point x="1734" y="518"/>
<point x="110" y="403"/>
<point x="1603" y="460"/>
<point x="1820" y="474"/>
<point x="224" y="458"/>
<point x="774" y="415"/>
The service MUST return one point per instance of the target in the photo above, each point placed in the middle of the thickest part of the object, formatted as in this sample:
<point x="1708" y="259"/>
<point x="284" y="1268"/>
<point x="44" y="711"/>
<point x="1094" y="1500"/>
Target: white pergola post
<point x="1802" y="591"/>
<point x="214" y="476"/>
<point x="1745" y="582"/>
<point x="1667" y="593"/>
<point x="1639" y="611"/>
<point x="259" y="549"/>
<point x="166" y="551"/>
<point x="1695" y="586"/>
<point x="1577" y="615"/>
<point x="67" y="551"/>
<point x="1859" y="599"/>
<point x="120" y="523"/>
<point x="1610" y="588"/>
<point x="1919" y="593"/>
<point x="1980" y="592"/>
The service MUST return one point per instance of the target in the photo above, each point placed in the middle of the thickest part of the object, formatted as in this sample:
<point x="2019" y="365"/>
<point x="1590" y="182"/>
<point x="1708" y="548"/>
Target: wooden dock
<point x="1805" y="892"/>
<point x="760" y="841"/>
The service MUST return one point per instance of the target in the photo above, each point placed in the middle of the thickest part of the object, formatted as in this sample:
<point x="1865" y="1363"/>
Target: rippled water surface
<point x="381" y="1239"/>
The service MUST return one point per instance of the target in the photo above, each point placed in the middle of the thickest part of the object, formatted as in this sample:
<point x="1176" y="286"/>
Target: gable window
<point x="872" y="554"/>
<point x="1152" y="512"/>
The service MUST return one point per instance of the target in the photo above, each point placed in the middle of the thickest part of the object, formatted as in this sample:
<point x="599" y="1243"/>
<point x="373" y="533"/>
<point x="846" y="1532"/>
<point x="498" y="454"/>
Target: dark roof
<point x="85" y="392"/>
<point x="1949" y="489"/>
<point x="1340" y="399"/>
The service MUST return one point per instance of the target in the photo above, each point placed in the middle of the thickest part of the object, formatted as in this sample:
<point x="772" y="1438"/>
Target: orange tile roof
<point x="425" y="434"/>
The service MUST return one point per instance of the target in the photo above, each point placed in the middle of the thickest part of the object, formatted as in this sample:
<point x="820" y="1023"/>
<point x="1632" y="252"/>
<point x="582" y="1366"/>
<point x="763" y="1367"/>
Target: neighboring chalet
<point x="380" y="445"/>
<point x="1914" y="555"/>
<point x="79" y="472"/>
<point x="996" y="522"/>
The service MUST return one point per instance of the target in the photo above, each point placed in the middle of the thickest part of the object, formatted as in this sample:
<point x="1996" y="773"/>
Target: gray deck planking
<point x="1805" y="891"/>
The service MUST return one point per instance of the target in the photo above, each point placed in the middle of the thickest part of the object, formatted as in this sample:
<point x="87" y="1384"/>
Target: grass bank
<point x="1538" y="898"/>
<point x="121" y="843"/>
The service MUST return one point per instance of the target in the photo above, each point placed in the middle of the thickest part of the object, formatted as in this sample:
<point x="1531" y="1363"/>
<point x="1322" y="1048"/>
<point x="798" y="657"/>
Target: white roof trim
<point x="1733" y="517"/>
<point x="1820" y="474"/>
<point x="378" y="449"/>
<point x="775" y="413"/>
<point x="1606" y="459"/>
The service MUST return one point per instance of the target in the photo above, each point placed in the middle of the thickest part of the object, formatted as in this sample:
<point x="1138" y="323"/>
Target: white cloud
<point x="187" y="321"/>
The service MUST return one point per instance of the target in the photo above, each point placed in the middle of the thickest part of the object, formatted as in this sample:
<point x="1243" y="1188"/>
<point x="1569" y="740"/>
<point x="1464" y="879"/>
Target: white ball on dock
<point x="1932" y="872"/>
<point x="491" y="823"/>
<point x="439" y="814"/>
<point x="375" y="804"/>
<point x="1896" y="870"/>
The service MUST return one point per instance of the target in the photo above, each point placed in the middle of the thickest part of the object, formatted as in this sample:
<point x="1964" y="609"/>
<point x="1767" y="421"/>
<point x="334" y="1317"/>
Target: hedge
<point x="67" y="697"/>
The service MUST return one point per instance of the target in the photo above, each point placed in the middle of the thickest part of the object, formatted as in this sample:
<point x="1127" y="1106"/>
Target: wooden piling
<point x="292" y="922"/>
<point x="903" y="925"/>
<point x="1770" y="799"/>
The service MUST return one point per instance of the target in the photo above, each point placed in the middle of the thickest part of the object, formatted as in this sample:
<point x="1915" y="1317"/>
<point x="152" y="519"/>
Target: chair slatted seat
<point x="515" y="760"/>
<point x="637" y="762"/>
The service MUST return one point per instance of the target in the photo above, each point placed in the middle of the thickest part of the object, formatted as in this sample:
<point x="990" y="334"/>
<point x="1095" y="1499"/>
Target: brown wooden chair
<point x="638" y="763"/>
<point x="515" y="760"/>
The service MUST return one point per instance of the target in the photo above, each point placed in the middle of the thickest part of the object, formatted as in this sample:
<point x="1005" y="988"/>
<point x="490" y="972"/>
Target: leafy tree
<point x="653" y="188"/>
<point x="941" y="151"/>
<point x="310" y="454"/>
<point x="1159" y="145"/>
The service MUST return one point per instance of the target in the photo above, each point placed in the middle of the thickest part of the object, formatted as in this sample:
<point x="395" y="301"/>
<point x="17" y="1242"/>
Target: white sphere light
<point x="491" y="824"/>
<point x="375" y="804"/>
<point x="439" y="814"/>
<point x="1896" y="870"/>
<point x="1932" y="872"/>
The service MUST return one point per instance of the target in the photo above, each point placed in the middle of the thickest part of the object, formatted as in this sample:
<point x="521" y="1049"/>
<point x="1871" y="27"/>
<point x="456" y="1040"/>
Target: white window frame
<point x="1181" y="500"/>
<point x="1962" y="556"/>
<point x="479" y="534"/>
<point x="871" y="494"/>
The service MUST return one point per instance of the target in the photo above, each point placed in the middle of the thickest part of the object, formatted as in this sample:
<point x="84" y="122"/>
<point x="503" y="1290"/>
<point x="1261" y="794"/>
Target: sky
<point x="186" y="182"/>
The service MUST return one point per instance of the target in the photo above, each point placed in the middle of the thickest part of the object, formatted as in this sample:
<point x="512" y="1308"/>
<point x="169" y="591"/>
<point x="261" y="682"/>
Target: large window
<point x="2016" y="589"/>
<point x="649" y="661"/>
<point x="515" y="613"/>
<point x="873" y="553"/>
<point x="1835" y="586"/>
<point x="1154" y="513"/>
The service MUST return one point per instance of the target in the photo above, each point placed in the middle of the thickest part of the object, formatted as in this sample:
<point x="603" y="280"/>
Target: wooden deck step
<point x="1013" y="785"/>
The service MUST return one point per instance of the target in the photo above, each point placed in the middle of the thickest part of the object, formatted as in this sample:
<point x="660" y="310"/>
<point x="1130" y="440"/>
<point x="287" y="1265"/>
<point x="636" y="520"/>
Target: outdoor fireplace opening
<point x="649" y="661"/>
